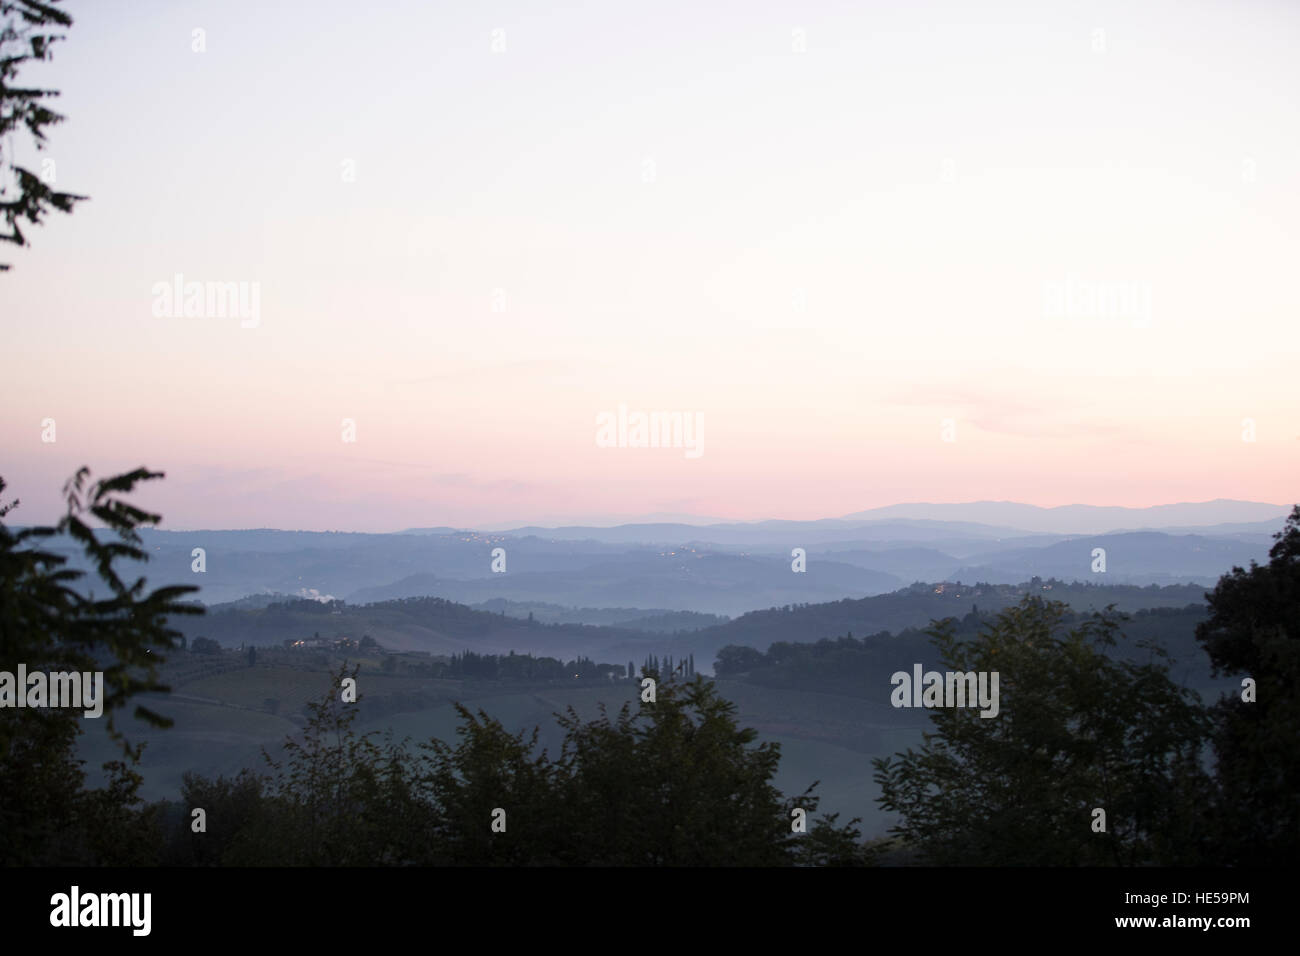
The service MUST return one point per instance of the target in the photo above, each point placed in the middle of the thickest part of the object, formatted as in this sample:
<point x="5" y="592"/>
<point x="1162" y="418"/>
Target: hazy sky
<point x="1063" y="236"/>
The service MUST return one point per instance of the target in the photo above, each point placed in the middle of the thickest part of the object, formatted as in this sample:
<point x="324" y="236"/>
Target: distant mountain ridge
<point x="929" y="522"/>
<point x="1084" y="519"/>
<point x="913" y="521"/>
<point x="720" y="570"/>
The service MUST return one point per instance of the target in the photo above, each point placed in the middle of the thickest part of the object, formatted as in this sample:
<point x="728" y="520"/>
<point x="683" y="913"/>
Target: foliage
<point x="25" y="35"/>
<point x="337" y="798"/>
<point x="1077" y="730"/>
<point x="678" y="783"/>
<point x="46" y="624"/>
<point x="487" y="771"/>
<point x="1254" y="631"/>
<point x="232" y="807"/>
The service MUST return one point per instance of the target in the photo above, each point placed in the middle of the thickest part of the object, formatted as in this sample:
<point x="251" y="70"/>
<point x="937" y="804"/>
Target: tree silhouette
<point x="680" y="783"/>
<point x="1077" y="730"/>
<point x="48" y="625"/>
<point x="1254" y="631"/>
<point x="676" y="783"/>
<point x="25" y="35"/>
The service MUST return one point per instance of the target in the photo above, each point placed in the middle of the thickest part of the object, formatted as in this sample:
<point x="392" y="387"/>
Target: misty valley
<point x="249" y="669"/>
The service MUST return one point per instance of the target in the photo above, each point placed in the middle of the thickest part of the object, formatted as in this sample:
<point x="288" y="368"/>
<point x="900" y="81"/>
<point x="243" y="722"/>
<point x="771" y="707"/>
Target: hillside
<point x="440" y="626"/>
<point x="917" y="605"/>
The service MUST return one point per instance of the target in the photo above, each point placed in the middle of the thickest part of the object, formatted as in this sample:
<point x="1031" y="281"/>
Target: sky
<point x="869" y="253"/>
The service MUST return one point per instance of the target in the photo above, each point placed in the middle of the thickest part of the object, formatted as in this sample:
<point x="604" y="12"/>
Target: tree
<point x="1077" y="730"/>
<point x="735" y="659"/>
<point x="678" y="783"/>
<point x="25" y="34"/>
<point x="681" y="784"/>
<point x="205" y="645"/>
<point x="492" y="775"/>
<point x="232" y="809"/>
<point x="337" y="798"/>
<point x="1253" y="630"/>
<point x="47" y="624"/>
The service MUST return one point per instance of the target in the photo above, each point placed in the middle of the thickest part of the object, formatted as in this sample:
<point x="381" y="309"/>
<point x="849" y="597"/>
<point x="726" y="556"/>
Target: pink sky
<point x="824" y="254"/>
